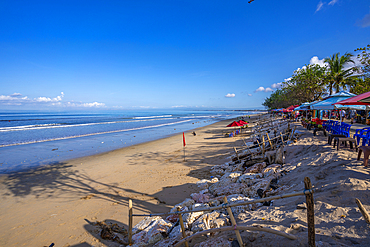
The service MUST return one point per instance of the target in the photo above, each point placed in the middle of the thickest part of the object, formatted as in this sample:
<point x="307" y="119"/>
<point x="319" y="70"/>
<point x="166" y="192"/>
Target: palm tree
<point x="337" y="76"/>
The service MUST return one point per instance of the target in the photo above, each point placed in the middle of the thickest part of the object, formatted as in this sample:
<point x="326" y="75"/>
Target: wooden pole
<point x="263" y="144"/>
<point x="259" y="145"/>
<point x="363" y="211"/>
<point x="232" y="219"/>
<point x="130" y="222"/>
<point x="182" y="226"/>
<point x="310" y="213"/>
<point x="184" y="153"/>
<point x="236" y="152"/>
<point x="268" y="138"/>
<point x="282" y="139"/>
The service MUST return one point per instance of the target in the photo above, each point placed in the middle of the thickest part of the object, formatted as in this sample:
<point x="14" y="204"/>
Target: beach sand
<point x="54" y="204"/>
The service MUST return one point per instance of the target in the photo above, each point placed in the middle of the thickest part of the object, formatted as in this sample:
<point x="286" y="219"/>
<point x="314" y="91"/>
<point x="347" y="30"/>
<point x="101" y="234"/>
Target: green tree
<point x="364" y="57"/>
<point x="337" y="76"/>
<point x="360" y="85"/>
<point x="307" y="84"/>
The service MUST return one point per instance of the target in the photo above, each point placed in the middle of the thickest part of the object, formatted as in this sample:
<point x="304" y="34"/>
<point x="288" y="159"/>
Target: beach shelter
<point x="361" y="99"/>
<point x="303" y="107"/>
<point x="328" y="102"/>
<point x="290" y="108"/>
<point x="359" y="102"/>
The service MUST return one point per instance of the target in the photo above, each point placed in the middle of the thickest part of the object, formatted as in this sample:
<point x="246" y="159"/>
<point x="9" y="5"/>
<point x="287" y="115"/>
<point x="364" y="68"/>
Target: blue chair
<point x="336" y="128"/>
<point x="361" y="134"/>
<point x="366" y="139"/>
<point x="345" y="129"/>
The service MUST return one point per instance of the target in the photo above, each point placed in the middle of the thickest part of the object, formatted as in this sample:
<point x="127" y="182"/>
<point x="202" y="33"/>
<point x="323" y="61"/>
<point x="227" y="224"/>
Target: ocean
<point x="33" y="139"/>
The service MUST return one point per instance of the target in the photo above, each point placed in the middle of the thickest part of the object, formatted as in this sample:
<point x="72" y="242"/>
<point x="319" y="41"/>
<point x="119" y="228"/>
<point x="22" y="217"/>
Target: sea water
<point x="32" y="139"/>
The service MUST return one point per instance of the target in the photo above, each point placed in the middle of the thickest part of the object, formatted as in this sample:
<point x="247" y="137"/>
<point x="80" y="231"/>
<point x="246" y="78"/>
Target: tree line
<point x="313" y="81"/>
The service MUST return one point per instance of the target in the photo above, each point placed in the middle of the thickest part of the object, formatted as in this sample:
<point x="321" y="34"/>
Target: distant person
<point x="194" y="134"/>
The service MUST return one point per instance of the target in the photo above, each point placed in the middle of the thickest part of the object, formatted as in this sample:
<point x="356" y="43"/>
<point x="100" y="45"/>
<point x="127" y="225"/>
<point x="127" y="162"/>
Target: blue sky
<point x="66" y="55"/>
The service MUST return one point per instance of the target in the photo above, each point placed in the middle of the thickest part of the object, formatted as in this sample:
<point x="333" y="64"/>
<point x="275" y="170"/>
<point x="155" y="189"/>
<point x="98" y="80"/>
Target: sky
<point x="174" y="54"/>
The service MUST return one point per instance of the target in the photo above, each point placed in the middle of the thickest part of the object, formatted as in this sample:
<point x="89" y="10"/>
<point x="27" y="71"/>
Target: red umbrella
<point x="362" y="99"/>
<point x="234" y="124"/>
<point x="242" y="122"/>
<point x="291" y="108"/>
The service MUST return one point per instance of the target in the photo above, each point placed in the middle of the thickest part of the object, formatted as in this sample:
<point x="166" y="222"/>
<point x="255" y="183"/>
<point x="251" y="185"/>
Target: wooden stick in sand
<point x="282" y="139"/>
<point x="130" y="222"/>
<point x="236" y="152"/>
<point x="310" y="213"/>
<point x="363" y="211"/>
<point x="182" y="227"/>
<point x="268" y="138"/>
<point x="263" y="144"/>
<point x="232" y="219"/>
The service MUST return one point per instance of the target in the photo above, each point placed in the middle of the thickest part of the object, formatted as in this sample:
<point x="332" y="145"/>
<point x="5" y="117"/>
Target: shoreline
<point x="32" y="155"/>
<point x="56" y="202"/>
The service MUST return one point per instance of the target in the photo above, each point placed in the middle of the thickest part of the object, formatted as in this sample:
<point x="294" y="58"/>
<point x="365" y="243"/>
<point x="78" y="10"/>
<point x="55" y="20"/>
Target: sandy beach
<point x="60" y="203"/>
<point x="55" y="204"/>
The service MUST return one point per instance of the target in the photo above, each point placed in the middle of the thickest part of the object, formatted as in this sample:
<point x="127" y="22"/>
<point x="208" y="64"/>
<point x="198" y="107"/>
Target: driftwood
<point x="363" y="211"/>
<point x="231" y="228"/>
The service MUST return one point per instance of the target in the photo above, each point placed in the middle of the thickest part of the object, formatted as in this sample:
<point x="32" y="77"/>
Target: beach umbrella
<point x="242" y="122"/>
<point x="234" y="124"/>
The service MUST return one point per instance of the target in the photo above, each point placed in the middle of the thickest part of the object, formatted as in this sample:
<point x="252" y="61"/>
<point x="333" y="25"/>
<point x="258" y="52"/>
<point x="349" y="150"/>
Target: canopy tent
<point x="328" y="103"/>
<point x="302" y="107"/>
<point x="340" y="94"/>
<point x="362" y="99"/>
<point x="292" y="107"/>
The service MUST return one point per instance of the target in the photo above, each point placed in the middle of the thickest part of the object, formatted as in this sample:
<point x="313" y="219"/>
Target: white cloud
<point x="365" y="22"/>
<point x="15" y="99"/>
<point x="230" y="95"/>
<point x="95" y="104"/>
<point x="319" y="6"/>
<point x="46" y="99"/>
<point x="332" y="2"/>
<point x="277" y="85"/>
<point x="249" y="94"/>
<point x="262" y="89"/>
<point x="316" y="60"/>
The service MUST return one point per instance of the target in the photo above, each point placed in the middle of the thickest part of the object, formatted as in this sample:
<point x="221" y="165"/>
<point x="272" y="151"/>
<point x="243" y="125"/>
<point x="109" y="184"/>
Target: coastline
<point x="54" y="203"/>
<point x="62" y="147"/>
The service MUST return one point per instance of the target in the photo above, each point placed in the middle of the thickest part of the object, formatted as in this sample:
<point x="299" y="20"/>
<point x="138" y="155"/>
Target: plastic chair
<point x="361" y="134"/>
